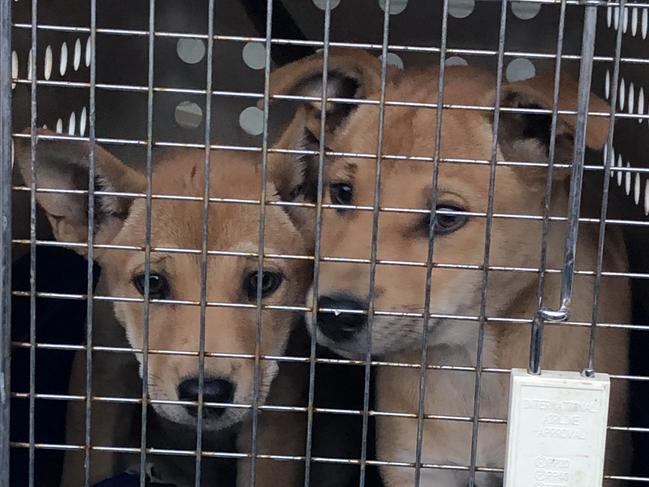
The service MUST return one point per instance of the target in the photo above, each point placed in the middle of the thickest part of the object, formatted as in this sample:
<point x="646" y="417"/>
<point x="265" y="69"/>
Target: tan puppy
<point x="402" y="236"/>
<point x="174" y="275"/>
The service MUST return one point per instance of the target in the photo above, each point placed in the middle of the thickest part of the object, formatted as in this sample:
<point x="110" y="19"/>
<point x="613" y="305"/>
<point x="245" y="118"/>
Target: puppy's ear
<point x="526" y="136"/>
<point x="294" y="177"/>
<point x="352" y="73"/>
<point x="63" y="165"/>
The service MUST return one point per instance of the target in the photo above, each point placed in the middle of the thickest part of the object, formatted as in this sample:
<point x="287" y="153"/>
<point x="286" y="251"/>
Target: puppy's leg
<point x="446" y="443"/>
<point x="281" y="433"/>
<point x="396" y="442"/>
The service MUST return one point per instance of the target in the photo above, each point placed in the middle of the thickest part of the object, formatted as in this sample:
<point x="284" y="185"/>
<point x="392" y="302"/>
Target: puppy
<point x="174" y="275"/>
<point x="461" y="199"/>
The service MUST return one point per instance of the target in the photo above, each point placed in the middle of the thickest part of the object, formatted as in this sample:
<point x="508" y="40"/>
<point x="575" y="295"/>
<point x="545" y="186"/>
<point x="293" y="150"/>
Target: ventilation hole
<point x="191" y="51"/>
<point x="631" y="99"/>
<point x="520" y="69"/>
<point x="251" y="121"/>
<point x="47" y="69"/>
<point x="612" y="162"/>
<point x="644" y="25"/>
<point x="460" y="9"/>
<point x="627" y="180"/>
<point x="607" y="84"/>
<point x="634" y="21"/>
<point x="396" y="6"/>
<point x="625" y="20"/>
<point x="77" y="55"/>
<point x="525" y="10"/>
<point x="29" y="65"/>
<point x="621" y="94"/>
<point x="63" y="66"/>
<point x="88" y="52"/>
<point x="59" y="126"/>
<point x="616" y="17"/>
<point x="12" y="153"/>
<point x="619" y="173"/>
<point x="393" y="60"/>
<point x="188" y="115"/>
<point x="72" y="124"/>
<point x="646" y="197"/>
<point x="254" y="55"/>
<point x="322" y="4"/>
<point x="82" y="122"/>
<point x="636" y="189"/>
<point x="456" y="61"/>
<point x="640" y="104"/>
<point x="14" y="68"/>
<point x="609" y="16"/>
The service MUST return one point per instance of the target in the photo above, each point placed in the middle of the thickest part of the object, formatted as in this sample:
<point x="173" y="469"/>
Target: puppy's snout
<point x="344" y="321"/>
<point x="214" y="390"/>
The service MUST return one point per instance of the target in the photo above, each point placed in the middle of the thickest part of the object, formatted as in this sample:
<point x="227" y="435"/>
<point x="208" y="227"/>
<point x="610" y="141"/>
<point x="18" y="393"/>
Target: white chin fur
<point x="179" y="416"/>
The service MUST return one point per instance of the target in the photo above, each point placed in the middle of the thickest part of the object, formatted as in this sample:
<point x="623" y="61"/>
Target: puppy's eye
<point x="158" y="285"/>
<point x="270" y="281"/>
<point x="341" y="193"/>
<point x="449" y="222"/>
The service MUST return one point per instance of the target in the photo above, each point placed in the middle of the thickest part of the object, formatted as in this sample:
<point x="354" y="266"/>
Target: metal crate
<point x="133" y="76"/>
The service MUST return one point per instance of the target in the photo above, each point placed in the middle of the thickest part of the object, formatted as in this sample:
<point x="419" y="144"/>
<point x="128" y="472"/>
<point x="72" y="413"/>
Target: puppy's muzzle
<point x="214" y="390"/>
<point x="344" y="319"/>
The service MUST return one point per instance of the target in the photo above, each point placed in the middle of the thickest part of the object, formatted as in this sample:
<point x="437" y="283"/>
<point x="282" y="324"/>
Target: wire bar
<point x="574" y="198"/>
<point x="5" y="236"/>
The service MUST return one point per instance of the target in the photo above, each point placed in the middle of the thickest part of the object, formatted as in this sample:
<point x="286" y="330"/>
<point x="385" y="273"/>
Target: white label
<point x="556" y="430"/>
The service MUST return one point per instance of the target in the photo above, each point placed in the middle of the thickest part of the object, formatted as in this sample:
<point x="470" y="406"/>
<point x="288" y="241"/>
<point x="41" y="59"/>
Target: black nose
<point x="339" y="325"/>
<point x="214" y="390"/>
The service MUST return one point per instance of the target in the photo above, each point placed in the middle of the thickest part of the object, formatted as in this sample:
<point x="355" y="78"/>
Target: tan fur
<point x="515" y="243"/>
<point x="232" y="330"/>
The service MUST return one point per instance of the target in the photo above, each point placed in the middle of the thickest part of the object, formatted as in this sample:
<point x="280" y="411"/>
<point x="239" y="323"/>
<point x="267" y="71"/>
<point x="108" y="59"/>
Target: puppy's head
<point x="460" y="199"/>
<point x="230" y="317"/>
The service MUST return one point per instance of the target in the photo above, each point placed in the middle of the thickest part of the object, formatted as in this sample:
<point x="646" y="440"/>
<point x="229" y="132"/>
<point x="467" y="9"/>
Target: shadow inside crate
<point x="57" y="321"/>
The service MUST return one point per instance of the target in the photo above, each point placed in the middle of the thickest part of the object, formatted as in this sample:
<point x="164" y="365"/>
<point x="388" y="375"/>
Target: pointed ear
<point x="352" y="73"/>
<point x="526" y="136"/>
<point x="63" y="165"/>
<point x="295" y="176"/>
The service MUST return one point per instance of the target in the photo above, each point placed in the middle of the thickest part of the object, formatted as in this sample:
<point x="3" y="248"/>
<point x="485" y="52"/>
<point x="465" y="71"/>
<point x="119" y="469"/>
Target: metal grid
<point x="587" y="60"/>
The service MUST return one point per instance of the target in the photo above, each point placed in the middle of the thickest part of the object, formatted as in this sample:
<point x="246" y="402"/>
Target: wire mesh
<point x="597" y="52"/>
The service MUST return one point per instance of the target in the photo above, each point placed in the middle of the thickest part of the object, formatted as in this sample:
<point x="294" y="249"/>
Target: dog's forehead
<point x="177" y="211"/>
<point x="410" y="117"/>
<point x="410" y="131"/>
<point x="232" y="174"/>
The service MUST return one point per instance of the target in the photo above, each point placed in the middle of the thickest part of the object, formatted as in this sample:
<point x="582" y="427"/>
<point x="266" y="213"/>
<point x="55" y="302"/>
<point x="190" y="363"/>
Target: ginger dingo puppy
<point x="175" y="276"/>
<point x="461" y="203"/>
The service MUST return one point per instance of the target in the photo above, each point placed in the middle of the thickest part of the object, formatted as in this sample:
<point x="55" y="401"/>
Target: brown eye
<point x="448" y="220"/>
<point x="270" y="281"/>
<point x="341" y="193"/>
<point x="158" y="285"/>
